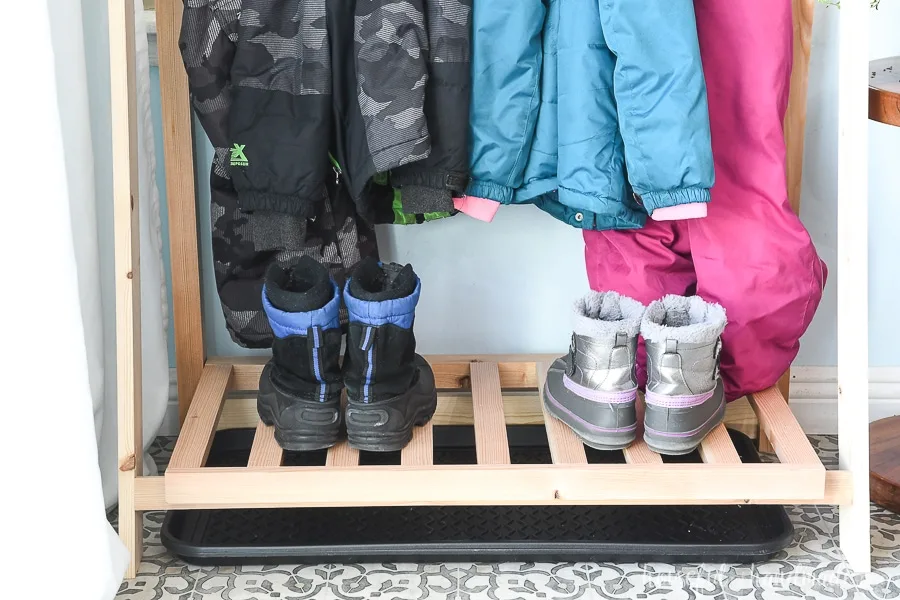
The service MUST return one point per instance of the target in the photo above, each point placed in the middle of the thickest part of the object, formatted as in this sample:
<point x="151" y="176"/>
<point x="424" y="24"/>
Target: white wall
<point x="819" y="202"/>
<point x="507" y="286"/>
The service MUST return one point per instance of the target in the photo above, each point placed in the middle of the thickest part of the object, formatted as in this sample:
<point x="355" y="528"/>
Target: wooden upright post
<point x="794" y="131"/>
<point x="179" y="163"/>
<point x="123" y="110"/>
<point x="853" y="278"/>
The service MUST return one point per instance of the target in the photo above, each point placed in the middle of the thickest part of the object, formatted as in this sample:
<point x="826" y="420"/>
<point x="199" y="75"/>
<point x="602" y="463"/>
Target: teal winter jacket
<point x="594" y="110"/>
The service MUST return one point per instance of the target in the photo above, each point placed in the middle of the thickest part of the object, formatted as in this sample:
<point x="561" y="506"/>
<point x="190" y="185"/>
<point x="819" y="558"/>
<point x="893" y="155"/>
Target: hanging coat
<point x="594" y="110"/>
<point x="382" y="83"/>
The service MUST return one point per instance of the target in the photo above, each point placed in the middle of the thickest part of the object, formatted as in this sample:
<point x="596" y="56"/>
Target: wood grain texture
<point x="778" y="422"/>
<point x="565" y="447"/>
<point x="884" y="463"/>
<point x="740" y="416"/>
<point x="265" y="451"/>
<point x="784" y="387"/>
<point x="178" y="151"/>
<point x="455" y="408"/>
<point x="342" y="455"/>
<point x="150" y="494"/>
<point x="420" y="450"/>
<point x="495" y="485"/>
<point x="795" y="119"/>
<point x="192" y="446"/>
<point x="451" y="371"/>
<point x="717" y="449"/>
<point x="126" y="225"/>
<point x="491" y="444"/>
<point x="884" y="91"/>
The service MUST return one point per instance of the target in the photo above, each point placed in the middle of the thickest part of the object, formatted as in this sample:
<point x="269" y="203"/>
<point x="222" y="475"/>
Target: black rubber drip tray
<point x="742" y="533"/>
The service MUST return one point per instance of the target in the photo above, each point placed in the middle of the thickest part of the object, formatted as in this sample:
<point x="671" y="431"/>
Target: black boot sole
<point x="308" y="438"/>
<point x="387" y="437"/>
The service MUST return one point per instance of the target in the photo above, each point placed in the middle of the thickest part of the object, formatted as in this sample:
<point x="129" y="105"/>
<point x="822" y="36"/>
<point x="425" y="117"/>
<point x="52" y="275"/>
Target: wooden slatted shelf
<point x="489" y="392"/>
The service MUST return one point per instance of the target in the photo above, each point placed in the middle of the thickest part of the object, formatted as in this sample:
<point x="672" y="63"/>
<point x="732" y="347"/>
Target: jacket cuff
<point x="413" y="175"/>
<point x="477" y="208"/>
<point x="417" y="199"/>
<point x="655" y="200"/>
<point x="490" y="191"/>
<point x="680" y="212"/>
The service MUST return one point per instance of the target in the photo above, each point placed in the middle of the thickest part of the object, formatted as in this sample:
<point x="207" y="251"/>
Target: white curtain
<point x="58" y="447"/>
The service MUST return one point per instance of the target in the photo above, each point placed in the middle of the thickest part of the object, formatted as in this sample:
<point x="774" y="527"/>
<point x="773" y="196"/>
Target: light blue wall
<point x="507" y="286"/>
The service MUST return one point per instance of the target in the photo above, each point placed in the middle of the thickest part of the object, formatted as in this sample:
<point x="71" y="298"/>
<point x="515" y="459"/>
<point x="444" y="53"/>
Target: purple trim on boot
<point x="664" y="401"/>
<point x="682" y="434"/>
<point x="590" y="426"/>
<point x="598" y="395"/>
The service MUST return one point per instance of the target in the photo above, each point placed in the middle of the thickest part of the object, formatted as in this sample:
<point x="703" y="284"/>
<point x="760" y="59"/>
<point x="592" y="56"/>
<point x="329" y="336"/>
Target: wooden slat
<point x="717" y="449"/>
<point x="342" y="455"/>
<point x="178" y="151"/>
<point x="150" y="494"/>
<point x="739" y="416"/>
<point x="451" y="371"/>
<point x="565" y="447"/>
<point x="265" y="451"/>
<point x="198" y="429"/>
<point x="639" y="453"/>
<point x="491" y="445"/>
<point x="126" y="224"/>
<point x="455" y="408"/>
<point x="764" y="445"/>
<point x="420" y="450"/>
<point x="496" y="485"/>
<point x="785" y="433"/>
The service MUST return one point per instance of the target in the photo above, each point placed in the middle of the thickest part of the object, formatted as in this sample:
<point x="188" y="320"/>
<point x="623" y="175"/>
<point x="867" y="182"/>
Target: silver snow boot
<point x="685" y="398"/>
<point x="593" y="388"/>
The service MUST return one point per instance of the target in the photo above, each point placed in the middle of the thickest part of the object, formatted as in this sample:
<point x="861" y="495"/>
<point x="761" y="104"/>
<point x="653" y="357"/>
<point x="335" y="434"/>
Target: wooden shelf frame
<point x="645" y="479"/>
<point x="210" y="388"/>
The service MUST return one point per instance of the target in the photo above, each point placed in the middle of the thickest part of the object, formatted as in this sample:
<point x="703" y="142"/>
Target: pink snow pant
<point x="750" y="254"/>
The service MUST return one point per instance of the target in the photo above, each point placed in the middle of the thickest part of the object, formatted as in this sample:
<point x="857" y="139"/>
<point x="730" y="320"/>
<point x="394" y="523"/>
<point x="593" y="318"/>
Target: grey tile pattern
<point x="811" y="568"/>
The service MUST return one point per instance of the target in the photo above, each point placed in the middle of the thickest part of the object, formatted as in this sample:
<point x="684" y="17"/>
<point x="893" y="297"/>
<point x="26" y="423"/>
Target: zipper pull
<point x="336" y="167"/>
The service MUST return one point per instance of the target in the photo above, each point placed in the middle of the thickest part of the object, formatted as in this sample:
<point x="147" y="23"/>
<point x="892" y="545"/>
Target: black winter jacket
<point x="383" y="84"/>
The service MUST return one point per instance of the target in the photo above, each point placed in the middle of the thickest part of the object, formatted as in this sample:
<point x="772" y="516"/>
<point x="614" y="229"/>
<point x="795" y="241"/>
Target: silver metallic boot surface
<point x="593" y="388"/>
<point x="685" y="397"/>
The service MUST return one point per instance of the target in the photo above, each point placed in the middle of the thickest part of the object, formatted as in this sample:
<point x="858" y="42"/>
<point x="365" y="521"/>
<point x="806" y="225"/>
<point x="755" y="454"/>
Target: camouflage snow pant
<point x="244" y="244"/>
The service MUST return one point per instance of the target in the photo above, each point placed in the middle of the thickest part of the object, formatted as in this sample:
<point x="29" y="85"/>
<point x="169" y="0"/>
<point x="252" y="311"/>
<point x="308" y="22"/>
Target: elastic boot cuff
<point x="394" y="311"/>
<point x="685" y="319"/>
<point x="604" y="315"/>
<point x="302" y="287"/>
<point x="285" y="324"/>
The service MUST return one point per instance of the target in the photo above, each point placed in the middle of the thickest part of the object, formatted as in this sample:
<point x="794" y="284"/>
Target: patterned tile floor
<point x="811" y="568"/>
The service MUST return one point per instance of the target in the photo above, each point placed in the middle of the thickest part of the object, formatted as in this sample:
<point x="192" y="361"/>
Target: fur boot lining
<point x="689" y="320"/>
<point x="605" y="314"/>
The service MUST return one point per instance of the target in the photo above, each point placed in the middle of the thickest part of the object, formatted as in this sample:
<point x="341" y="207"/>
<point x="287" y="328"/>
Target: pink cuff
<point x="477" y="208"/>
<point x="694" y="210"/>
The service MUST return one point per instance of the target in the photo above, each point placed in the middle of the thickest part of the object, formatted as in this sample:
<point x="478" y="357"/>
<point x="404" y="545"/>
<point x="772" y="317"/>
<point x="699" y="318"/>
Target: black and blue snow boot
<point x="300" y="388"/>
<point x="390" y="388"/>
